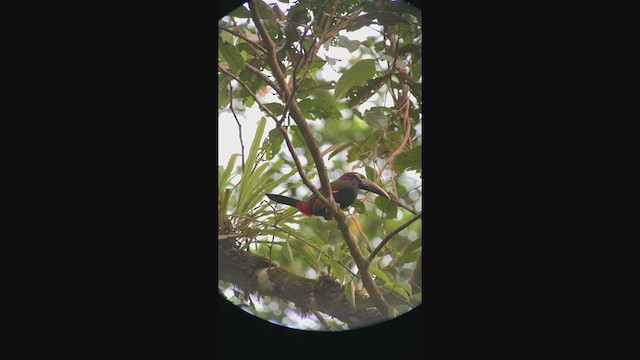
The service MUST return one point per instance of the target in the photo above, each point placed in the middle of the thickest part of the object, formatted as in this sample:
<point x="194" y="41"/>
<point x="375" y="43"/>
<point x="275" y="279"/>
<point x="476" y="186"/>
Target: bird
<point x="344" y="190"/>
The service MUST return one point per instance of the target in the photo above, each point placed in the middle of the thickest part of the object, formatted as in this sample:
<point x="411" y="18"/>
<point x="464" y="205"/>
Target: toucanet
<point x="344" y="190"/>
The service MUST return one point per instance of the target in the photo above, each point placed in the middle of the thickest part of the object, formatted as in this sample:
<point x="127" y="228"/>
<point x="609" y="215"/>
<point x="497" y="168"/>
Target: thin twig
<point x="366" y="239"/>
<point x="263" y="76"/>
<point x="394" y="232"/>
<point x="237" y="121"/>
<point x="255" y="97"/>
<point x="250" y="42"/>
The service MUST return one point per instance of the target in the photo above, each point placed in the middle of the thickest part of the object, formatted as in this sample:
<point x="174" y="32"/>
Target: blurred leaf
<point x="336" y="149"/>
<point x="359" y="207"/>
<point x="377" y="272"/>
<point x="406" y="286"/>
<point x="246" y="181"/>
<point x="233" y="57"/>
<point x="414" y="245"/>
<point x="224" y="178"/>
<point x="276" y="108"/>
<point x="265" y="11"/>
<point x="240" y="12"/>
<point x="288" y="254"/>
<point x="377" y="118"/>
<point x="359" y="22"/>
<point x="390" y="209"/>
<point x="372" y="174"/>
<point x="350" y="293"/>
<point x="357" y="75"/>
<point x="338" y="270"/>
<point x="413" y="49"/>
<point x="416" y="299"/>
<point x="345" y="42"/>
<point x="402" y="292"/>
<point x="407" y="258"/>
<point x="393" y="313"/>
<point x="388" y="18"/>
<point x="411" y="160"/>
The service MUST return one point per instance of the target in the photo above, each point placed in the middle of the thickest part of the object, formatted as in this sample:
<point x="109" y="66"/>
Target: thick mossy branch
<point x="254" y="273"/>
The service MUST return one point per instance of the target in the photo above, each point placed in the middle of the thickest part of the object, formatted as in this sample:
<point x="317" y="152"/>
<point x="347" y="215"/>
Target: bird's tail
<point x="283" y="199"/>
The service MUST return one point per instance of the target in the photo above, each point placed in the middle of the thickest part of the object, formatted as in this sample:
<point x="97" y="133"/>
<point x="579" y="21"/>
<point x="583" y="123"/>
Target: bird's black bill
<point x="373" y="187"/>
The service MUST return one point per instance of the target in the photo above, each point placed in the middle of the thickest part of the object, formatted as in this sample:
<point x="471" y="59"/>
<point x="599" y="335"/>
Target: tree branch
<point x="257" y="274"/>
<point x="298" y="117"/>
<point x="263" y="76"/>
<point x="394" y="232"/>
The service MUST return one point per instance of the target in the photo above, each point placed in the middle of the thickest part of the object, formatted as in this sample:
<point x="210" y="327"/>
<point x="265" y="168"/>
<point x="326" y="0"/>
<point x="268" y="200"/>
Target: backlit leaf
<point x="357" y="75"/>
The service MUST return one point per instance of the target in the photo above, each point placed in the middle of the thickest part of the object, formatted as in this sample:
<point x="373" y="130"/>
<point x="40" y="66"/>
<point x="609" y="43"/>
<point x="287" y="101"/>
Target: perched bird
<point x="344" y="190"/>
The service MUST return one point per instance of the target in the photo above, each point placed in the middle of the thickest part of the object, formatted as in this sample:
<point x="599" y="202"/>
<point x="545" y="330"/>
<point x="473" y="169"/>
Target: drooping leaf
<point x="233" y="57"/>
<point x="387" y="207"/>
<point x="407" y="258"/>
<point x="359" y="207"/>
<point x="350" y="293"/>
<point x="338" y="271"/>
<point x="288" y="253"/>
<point x="377" y="117"/>
<point x="357" y="75"/>
<point x="378" y="273"/>
<point x="400" y="291"/>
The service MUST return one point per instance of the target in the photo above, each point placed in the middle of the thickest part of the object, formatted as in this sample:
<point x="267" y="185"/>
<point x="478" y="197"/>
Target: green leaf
<point x="377" y="272"/>
<point x="276" y="108"/>
<point x="407" y="258"/>
<point x="336" y="149"/>
<point x="241" y="12"/>
<point x="387" y="207"/>
<point x="411" y="160"/>
<point x="264" y="10"/>
<point x="377" y="118"/>
<point x="227" y="173"/>
<point x="402" y="292"/>
<point x="288" y="253"/>
<point x="338" y="270"/>
<point x="416" y="299"/>
<point x="357" y="75"/>
<point x="345" y="42"/>
<point x="407" y="287"/>
<point x="359" y="22"/>
<point x="233" y="57"/>
<point x="413" y="49"/>
<point x="389" y="18"/>
<point x="276" y="140"/>
<point x="359" y="207"/>
<point x="350" y="293"/>
<point x="414" y="245"/>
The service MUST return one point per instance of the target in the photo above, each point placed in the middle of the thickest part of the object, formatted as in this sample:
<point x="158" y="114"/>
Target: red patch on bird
<point x="304" y="208"/>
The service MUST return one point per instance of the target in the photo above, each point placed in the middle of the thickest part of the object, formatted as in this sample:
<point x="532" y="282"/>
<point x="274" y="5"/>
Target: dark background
<point x="120" y="149"/>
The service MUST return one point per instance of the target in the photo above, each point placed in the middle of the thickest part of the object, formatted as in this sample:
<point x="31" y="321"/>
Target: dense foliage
<point x="368" y="121"/>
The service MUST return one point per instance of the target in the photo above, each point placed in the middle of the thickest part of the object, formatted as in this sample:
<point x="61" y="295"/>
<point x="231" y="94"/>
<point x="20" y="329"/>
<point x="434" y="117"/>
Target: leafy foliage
<point x="358" y="118"/>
